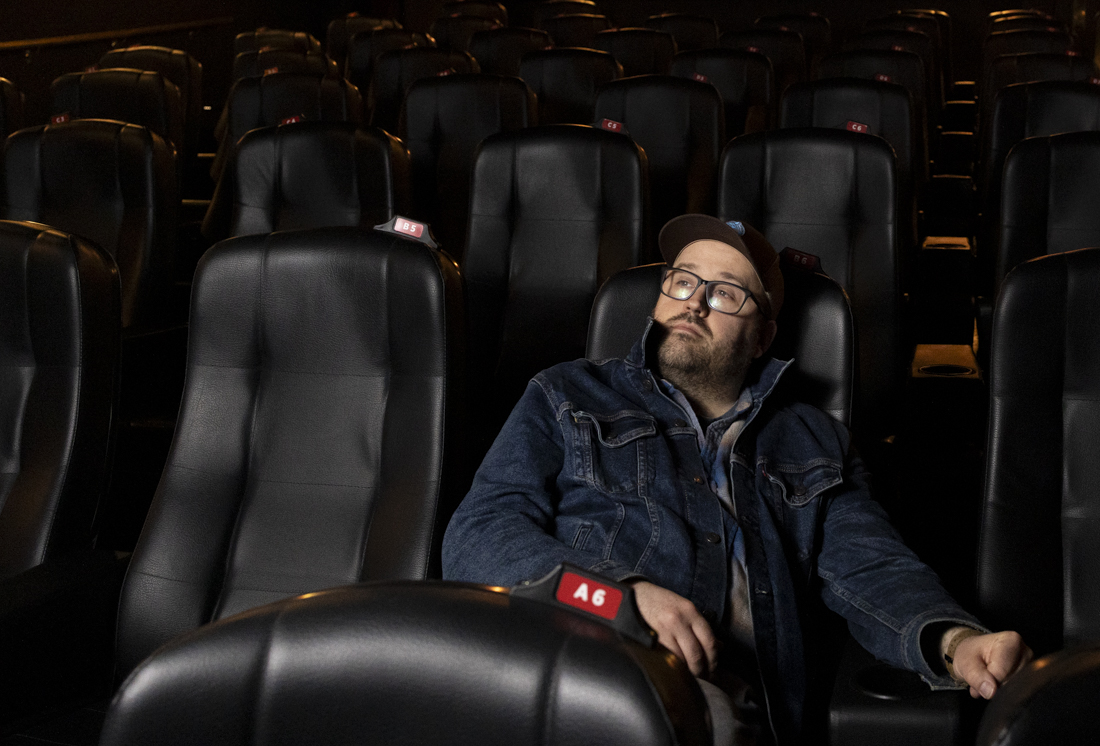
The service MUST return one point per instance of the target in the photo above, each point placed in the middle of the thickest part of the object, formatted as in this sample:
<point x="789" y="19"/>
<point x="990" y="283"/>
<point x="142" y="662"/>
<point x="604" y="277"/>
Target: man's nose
<point x="697" y="303"/>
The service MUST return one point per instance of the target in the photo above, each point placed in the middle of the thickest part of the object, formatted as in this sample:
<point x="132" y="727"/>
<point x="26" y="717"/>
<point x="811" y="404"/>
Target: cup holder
<point x="886" y="682"/>
<point x="946" y="369"/>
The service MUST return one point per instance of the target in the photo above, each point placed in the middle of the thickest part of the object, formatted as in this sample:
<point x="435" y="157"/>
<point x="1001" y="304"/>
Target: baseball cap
<point x="686" y="229"/>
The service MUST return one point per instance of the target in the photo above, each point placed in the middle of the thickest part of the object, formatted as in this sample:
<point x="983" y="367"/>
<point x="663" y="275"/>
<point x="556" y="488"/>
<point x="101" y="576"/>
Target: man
<point x="687" y="470"/>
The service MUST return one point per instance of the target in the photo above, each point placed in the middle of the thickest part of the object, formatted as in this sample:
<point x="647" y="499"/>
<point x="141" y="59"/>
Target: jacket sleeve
<point x="887" y="595"/>
<point x="503" y="532"/>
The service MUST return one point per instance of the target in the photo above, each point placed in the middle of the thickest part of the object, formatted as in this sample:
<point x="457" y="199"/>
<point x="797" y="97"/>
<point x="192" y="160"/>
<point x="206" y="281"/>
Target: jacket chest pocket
<point x="611" y="451"/>
<point x="798" y="484"/>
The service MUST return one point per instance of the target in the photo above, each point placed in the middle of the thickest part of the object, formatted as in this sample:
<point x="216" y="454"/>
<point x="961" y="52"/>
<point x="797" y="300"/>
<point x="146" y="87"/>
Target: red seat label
<point x="700" y="77"/>
<point x="752" y="49"/>
<point x="898" y="48"/>
<point x="911" y="28"/>
<point x="91" y="68"/>
<point x="1071" y="53"/>
<point x="444" y="73"/>
<point x="883" y="78"/>
<point x="1094" y="81"/>
<point x="271" y="70"/>
<point x="408" y="227"/>
<point x="293" y="120"/>
<point x="784" y="28"/>
<point x="60" y="118"/>
<point x="611" y="125"/>
<point x="857" y="127"/>
<point x="589" y="595"/>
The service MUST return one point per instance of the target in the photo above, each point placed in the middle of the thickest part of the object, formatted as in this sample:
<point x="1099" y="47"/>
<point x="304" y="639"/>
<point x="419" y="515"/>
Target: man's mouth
<point x="688" y="326"/>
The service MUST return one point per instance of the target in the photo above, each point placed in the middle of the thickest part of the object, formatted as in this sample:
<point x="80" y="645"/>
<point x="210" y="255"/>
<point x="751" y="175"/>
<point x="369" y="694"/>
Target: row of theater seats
<point x="320" y="443"/>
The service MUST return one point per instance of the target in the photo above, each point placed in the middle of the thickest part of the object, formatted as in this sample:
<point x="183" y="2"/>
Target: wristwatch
<point x="950" y="641"/>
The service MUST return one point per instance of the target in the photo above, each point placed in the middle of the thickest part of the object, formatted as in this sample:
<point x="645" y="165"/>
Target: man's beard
<point x="700" y="365"/>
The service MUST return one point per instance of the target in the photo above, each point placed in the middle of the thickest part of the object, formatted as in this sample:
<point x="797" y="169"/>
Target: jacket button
<point x="648" y="384"/>
<point x="679" y="423"/>
<point x="698" y="480"/>
<point x="712" y="538"/>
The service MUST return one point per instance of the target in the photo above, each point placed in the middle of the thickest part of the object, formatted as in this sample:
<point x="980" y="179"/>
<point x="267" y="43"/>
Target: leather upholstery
<point x="453" y="32"/>
<point x="641" y="51"/>
<point x="11" y="108"/>
<point x="363" y="49"/>
<point x="833" y="193"/>
<point x="310" y="175"/>
<point x="59" y="306"/>
<point x="270" y="99"/>
<point x="1038" y="559"/>
<point x="1024" y="40"/>
<point x="1026" y="68"/>
<point x="445" y="121"/>
<point x="680" y="124"/>
<point x="815" y="325"/>
<point x="140" y="97"/>
<point x="499" y="51"/>
<point x="176" y="65"/>
<point x="275" y="39"/>
<point x="257" y="62"/>
<point x="109" y="182"/>
<point x="565" y="81"/>
<point x="690" y="31"/>
<point x="926" y="25"/>
<point x="341" y="30"/>
<point x="886" y="65"/>
<point x="554" y="8"/>
<point x="1049" y="205"/>
<point x="536" y="253"/>
<point x="409" y="663"/>
<point x="317" y="437"/>
<point x="784" y="49"/>
<point x="744" y="80"/>
<point x="396" y="70"/>
<point x="909" y="41"/>
<point x="576" y="29"/>
<point x="480" y="8"/>
<point x="1051" y="701"/>
<point x="814" y="28"/>
<point x="1026" y="110"/>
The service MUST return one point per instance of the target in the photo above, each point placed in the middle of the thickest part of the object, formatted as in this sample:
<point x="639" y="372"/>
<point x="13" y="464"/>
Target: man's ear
<point x="767" y="335"/>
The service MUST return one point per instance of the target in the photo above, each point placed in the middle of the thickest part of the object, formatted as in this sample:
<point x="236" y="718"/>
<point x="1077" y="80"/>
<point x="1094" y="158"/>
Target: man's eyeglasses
<point x="723" y="297"/>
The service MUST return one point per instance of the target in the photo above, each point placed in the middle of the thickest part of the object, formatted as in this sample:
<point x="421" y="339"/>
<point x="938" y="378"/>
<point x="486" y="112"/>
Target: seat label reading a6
<point x="588" y="595"/>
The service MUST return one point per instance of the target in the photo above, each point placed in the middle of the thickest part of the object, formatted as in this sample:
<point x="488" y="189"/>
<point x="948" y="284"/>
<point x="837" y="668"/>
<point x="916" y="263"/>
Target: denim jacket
<point x="597" y="466"/>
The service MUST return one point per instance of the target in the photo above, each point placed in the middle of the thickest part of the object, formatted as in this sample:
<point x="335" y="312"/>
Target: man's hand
<point x="986" y="661"/>
<point x="679" y="626"/>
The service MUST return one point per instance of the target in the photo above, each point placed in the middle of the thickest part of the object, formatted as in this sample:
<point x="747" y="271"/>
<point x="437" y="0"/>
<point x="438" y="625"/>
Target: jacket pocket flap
<point x="618" y="429"/>
<point x="801" y="483"/>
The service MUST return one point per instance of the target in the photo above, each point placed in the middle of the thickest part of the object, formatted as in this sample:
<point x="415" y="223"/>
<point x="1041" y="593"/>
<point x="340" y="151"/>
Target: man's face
<point x="701" y="343"/>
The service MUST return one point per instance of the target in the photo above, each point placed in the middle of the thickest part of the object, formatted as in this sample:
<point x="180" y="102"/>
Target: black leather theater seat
<point x="641" y="51"/>
<point x="364" y="48"/>
<point x="256" y="62"/>
<point x="396" y="70"/>
<point x="553" y="8"/>
<point x="1019" y="41"/>
<point x="784" y="49"/>
<point x="744" y="80"/>
<point x="690" y="31"/>
<point x="11" y="108"/>
<point x="445" y="121"/>
<point x="565" y="81"/>
<point x="341" y="30"/>
<point x="885" y="65"/>
<point x="310" y="175"/>
<point x="403" y="663"/>
<point x="814" y="28"/>
<point x="453" y="32"/>
<point x="479" y="8"/>
<point x="499" y="51"/>
<point x="275" y="39"/>
<point x="109" y="182"/>
<point x="909" y="41"/>
<point x="59" y="334"/>
<point x="1026" y="68"/>
<point x="575" y="29"/>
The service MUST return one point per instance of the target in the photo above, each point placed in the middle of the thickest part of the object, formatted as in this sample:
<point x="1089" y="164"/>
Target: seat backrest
<point x="112" y="183"/>
<point x="11" y="108"/>
<point x="744" y="80"/>
<point x="59" y="337"/>
<point x="815" y="325"/>
<point x="340" y="31"/>
<point x="814" y="28"/>
<point x="554" y="8"/>
<point x="445" y="119"/>
<point x="141" y="97"/>
<point x="680" y="124"/>
<point x="481" y="8"/>
<point x="1025" y="40"/>
<point x="275" y="39"/>
<point x="1049" y="199"/>
<point x="901" y="40"/>
<point x="575" y="29"/>
<point x="453" y="32"/>
<point x="499" y="51"/>
<point x="176" y="65"/>
<point x="566" y="81"/>
<point x="397" y="69"/>
<point x="886" y="66"/>
<point x="364" y="48"/>
<point x="690" y="31"/>
<point x="784" y="49"/>
<point x="257" y="62"/>
<point x="310" y="175"/>
<point x="433" y="662"/>
<point x="537" y="253"/>
<point x="277" y="98"/>
<point x="1038" y="551"/>
<point x="924" y="24"/>
<point x="774" y="181"/>
<point x="317" y="436"/>
<point x="1036" y="22"/>
<point x="641" y="51"/>
<point x="1028" y="67"/>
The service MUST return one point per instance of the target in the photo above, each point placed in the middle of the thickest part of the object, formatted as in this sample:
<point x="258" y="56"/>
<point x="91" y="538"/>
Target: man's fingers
<point x="705" y="635"/>
<point x="679" y="626"/>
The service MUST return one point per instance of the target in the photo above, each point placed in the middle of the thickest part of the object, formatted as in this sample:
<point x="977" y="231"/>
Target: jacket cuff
<point x="911" y="647"/>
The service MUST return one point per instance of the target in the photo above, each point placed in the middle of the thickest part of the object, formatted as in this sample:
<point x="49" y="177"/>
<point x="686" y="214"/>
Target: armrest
<point x="874" y="702"/>
<point x="57" y="626"/>
<point x="1053" y="700"/>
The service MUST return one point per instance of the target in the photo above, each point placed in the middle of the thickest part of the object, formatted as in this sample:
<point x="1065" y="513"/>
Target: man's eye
<point x="724" y="294"/>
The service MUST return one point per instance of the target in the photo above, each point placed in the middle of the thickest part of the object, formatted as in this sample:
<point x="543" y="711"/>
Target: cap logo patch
<point x="700" y="77"/>
<point x="883" y="78"/>
<point x="857" y="127"/>
<point x="737" y="225"/>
